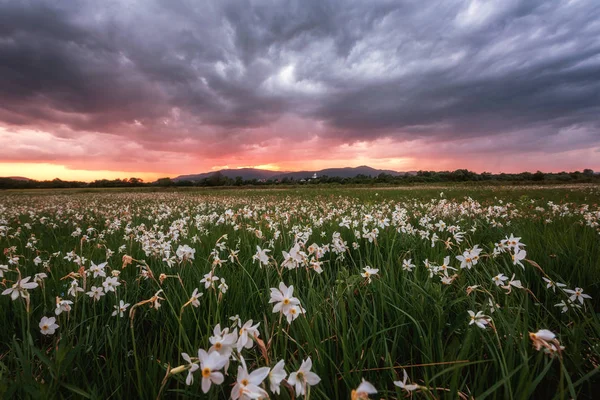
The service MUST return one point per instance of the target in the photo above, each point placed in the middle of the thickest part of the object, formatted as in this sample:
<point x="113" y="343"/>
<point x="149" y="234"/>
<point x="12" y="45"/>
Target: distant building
<point x="314" y="176"/>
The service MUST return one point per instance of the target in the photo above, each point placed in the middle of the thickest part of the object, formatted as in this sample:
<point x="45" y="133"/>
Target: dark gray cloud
<point x="359" y="70"/>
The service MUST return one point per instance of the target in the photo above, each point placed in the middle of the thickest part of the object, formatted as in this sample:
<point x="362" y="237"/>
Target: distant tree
<point x="164" y="182"/>
<point x="184" y="183"/>
<point x="486" y="176"/>
<point x="135" y="181"/>
<point x="215" y="179"/>
<point x="539" y="176"/>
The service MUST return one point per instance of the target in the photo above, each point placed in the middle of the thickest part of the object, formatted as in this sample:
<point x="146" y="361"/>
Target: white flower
<point x="544" y="334"/>
<point x="62" y="305"/>
<point x="294" y="258"/>
<point x="577" y="294"/>
<point x="74" y="288"/>
<point x="48" y="325"/>
<point x="193" y="367"/>
<point x="518" y="256"/>
<point x="303" y="377"/>
<point x="210" y="364"/>
<point x="195" y="296"/>
<point x="247" y="331"/>
<point x="363" y="390"/>
<point x="39" y="278"/>
<point x="209" y="279"/>
<point x="479" y="319"/>
<point x="293" y="313"/>
<point x="3" y="269"/>
<point x="513" y="242"/>
<point x="465" y="260"/>
<point x="515" y="283"/>
<point x="492" y="305"/>
<point x="547" y="340"/>
<point x="98" y="270"/>
<point x="223" y="286"/>
<point x="276" y="375"/>
<point x="222" y="341"/>
<point x="261" y="256"/>
<point x="185" y="252"/>
<point x="499" y="279"/>
<point x="247" y="384"/>
<point x="96" y="293"/>
<point x="402" y="384"/>
<point x="120" y="309"/>
<point x="446" y="266"/>
<point x="369" y="272"/>
<point x="563" y="306"/>
<point x="316" y="266"/>
<point x="20" y="288"/>
<point x="553" y="285"/>
<point x="408" y="265"/>
<point x="469" y="258"/>
<point x="110" y="284"/>
<point x="236" y="321"/>
<point x="283" y="297"/>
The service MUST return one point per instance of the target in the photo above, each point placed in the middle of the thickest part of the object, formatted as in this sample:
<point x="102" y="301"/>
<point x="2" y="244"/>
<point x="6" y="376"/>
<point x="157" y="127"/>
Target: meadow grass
<point x="403" y="320"/>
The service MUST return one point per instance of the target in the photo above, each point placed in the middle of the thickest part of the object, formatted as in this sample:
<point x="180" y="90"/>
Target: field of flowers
<point x="316" y="293"/>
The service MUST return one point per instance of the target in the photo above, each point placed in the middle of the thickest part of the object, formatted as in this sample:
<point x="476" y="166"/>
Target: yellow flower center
<point x="206" y="372"/>
<point x="286" y="301"/>
<point x="218" y="345"/>
<point x="45" y="327"/>
<point x="244" y="382"/>
<point x="300" y="376"/>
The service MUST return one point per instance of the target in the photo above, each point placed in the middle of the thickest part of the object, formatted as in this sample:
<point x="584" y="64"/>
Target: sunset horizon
<point x="45" y="172"/>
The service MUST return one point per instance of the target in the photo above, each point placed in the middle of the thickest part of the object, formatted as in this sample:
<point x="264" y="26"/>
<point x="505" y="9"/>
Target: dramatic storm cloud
<point x="180" y="86"/>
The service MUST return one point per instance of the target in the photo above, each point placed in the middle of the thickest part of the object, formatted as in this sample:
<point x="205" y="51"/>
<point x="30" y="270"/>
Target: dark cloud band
<point x="360" y="70"/>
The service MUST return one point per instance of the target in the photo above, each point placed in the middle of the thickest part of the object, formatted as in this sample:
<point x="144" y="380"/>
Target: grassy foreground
<point x="520" y="259"/>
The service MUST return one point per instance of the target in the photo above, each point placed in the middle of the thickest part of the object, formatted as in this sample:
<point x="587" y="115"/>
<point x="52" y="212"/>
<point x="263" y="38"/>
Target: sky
<point x="144" y="88"/>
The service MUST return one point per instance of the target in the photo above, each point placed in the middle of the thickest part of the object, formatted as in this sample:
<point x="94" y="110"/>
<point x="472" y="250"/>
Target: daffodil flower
<point x="48" y="325"/>
<point x="210" y="364"/>
<point x="478" y="319"/>
<point x="276" y="375"/>
<point x="303" y="377"/>
<point x="363" y="391"/>
<point x="193" y="367"/>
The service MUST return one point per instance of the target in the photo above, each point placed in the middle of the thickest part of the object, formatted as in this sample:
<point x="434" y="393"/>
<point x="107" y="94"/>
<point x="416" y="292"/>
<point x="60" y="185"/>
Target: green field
<point x="412" y="315"/>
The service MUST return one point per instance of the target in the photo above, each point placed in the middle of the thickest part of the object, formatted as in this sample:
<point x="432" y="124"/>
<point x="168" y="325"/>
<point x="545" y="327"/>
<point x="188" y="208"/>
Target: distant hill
<point x="347" y="172"/>
<point x="253" y="173"/>
<point x="16" y="178"/>
<point x="245" y="173"/>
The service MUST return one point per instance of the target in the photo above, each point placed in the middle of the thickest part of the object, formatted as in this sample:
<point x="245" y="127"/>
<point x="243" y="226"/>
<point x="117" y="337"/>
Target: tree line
<point x="218" y="179"/>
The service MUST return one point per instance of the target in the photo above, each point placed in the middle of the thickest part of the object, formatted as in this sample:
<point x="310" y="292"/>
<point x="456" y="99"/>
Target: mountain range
<point x="254" y="173"/>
